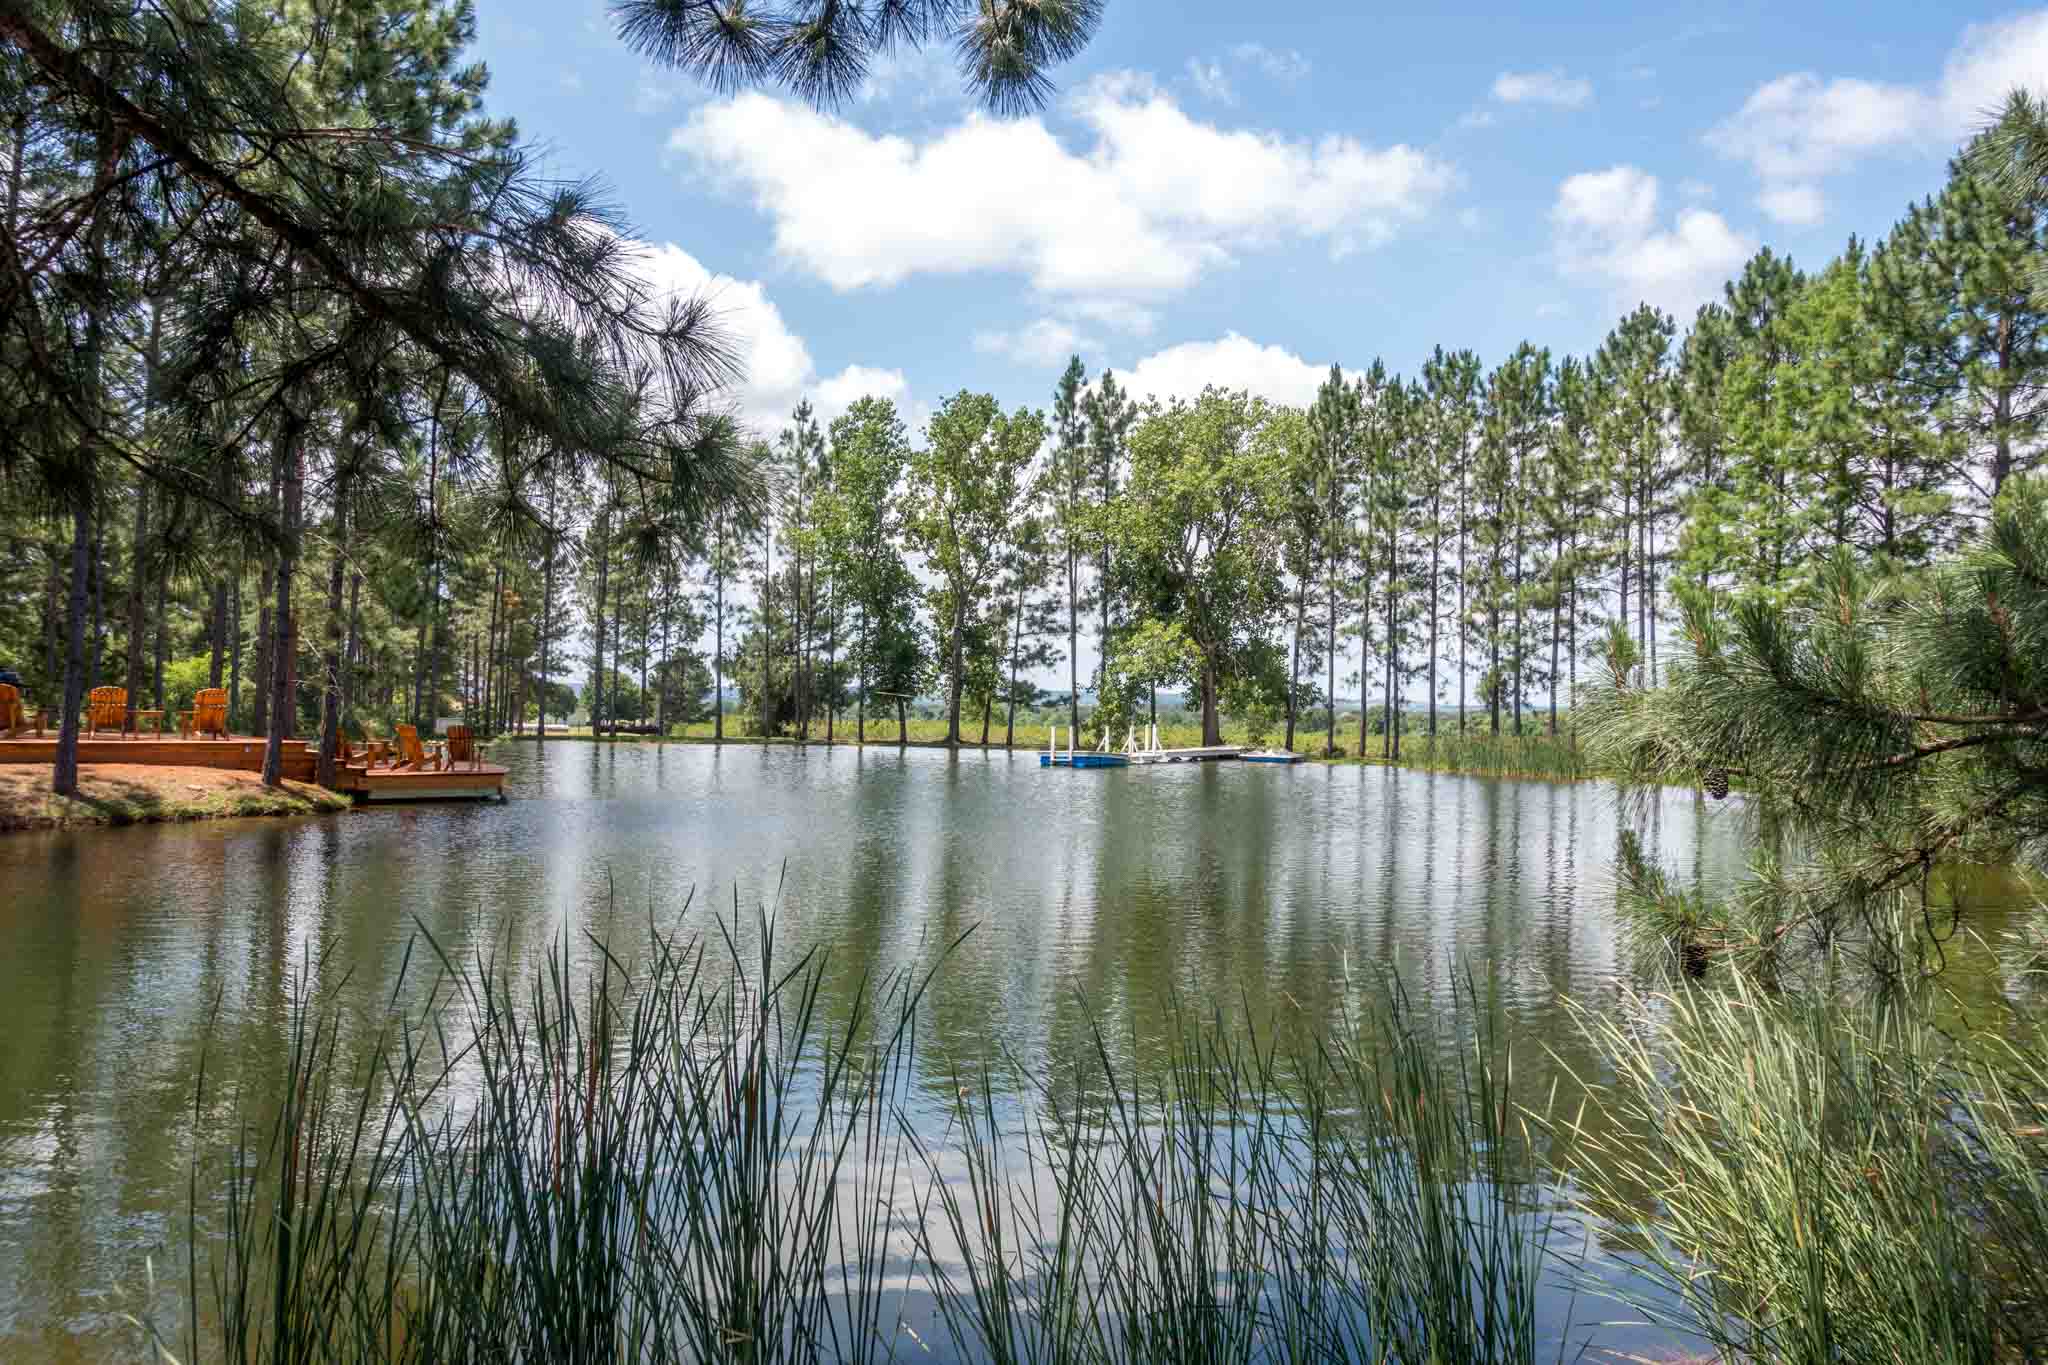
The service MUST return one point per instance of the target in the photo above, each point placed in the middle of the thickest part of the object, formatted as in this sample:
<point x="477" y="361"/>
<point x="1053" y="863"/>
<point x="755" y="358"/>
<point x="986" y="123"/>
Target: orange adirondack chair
<point x="463" y="748"/>
<point x="414" y="755"/>
<point x="107" y="709"/>
<point x="209" y="713"/>
<point x="12" y="720"/>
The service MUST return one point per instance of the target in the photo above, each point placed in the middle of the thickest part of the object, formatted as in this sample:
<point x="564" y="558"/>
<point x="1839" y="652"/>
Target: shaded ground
<point x="134" y="793"/>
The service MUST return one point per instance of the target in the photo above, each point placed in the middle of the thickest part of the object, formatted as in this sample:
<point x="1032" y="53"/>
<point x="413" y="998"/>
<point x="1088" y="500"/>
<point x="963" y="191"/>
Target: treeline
<point x="315" y="391"/>
<point x="1460" y="539"/>
<point x="314" y="387"/>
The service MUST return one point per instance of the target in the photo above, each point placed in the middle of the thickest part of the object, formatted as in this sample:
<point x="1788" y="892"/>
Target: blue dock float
<point x="1083" y="761"/>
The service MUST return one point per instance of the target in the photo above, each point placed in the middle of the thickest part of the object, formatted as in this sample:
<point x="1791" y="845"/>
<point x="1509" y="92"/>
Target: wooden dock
<point x="245" y="754"/>
<point x="1215" y="754"/>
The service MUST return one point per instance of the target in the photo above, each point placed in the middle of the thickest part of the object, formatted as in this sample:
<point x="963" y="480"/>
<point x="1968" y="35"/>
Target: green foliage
<point x="1882" y="726"/>
<point x="1197" y="525"/>
<point x="1830" y="1180"/>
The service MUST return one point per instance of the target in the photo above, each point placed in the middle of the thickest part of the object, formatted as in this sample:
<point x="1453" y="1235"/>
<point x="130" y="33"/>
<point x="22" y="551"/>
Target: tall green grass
<point x="1815" y="1180"/>
<point x="674" y="1155"/>
<point x="1544" y="756"/>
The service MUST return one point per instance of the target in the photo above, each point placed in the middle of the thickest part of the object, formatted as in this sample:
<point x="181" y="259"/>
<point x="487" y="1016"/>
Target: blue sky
<point x="1243" y="194"/>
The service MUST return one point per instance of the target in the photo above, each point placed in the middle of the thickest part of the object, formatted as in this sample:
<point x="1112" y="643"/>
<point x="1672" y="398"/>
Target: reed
<point x="1549" y="757"/>
<point x="673" y="1155"/>
<point x="1817" y="1180"/>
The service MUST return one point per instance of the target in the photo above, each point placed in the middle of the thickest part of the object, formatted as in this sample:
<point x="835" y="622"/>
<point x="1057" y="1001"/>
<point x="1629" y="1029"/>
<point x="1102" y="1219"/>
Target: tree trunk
<point x="1436" y="545"/>
<point x="259" y="721"/>
<point x="1073" y="636"/>
<point x="488" y="697"/>
<point x="331" y="656"/>
<point x="958" y="679"/>
<point x="1294" y="656"/>
<point x="138" y="619"/>
<point x="163" y="635"/>
<point x="718" y="641"/>
<point x="351" y="652"/>
<point x="860" y="734"/>
<point x="547" y="603"/>
<point x="1390" y="742"/>
<point x="218" y="631"/>
<point x="1212" y="724"/>
<point x="285" y="647"/>
<point x="604" y="573"/>
<point x="235" y="643"/>
<point x="1016" y="648"/>
<point x="831" y="656"/>
<point x="99" y="585"/>
<point x="902" y="722"/>
<point x="767" y="699"/>
<point x="65" y="775"/>
<point x="1330" y="657"/>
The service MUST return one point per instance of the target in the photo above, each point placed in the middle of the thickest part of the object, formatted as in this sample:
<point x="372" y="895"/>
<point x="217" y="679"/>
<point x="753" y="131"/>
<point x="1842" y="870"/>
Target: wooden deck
<point x="245" y="754"/>
<point x="459" y="783"/>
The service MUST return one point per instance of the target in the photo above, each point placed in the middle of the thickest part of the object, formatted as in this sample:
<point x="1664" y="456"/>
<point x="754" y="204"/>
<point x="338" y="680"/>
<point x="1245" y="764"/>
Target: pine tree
<point x="1452" y="384"/>
<point x="1953" y="284"/>
<point x="1335" y="424"/>
<point x="1068" y="484"/>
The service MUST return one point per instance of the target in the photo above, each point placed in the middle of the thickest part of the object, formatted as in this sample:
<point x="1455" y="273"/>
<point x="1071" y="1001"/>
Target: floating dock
<point x="1132" y="754"/>
<point x="241" y="753"/>
<point x="1089" y="760"/>
<point x="1215" y="754"/>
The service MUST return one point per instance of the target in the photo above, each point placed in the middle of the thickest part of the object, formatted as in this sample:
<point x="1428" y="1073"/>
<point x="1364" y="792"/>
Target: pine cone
<point x="1716" y="782"/>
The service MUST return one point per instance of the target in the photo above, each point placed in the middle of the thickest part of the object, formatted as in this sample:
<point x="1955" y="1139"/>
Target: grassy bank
<point x="134" y="794"/>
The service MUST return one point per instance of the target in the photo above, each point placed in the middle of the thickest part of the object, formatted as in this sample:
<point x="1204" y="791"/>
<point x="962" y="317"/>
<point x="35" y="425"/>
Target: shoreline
<point x="997" y="747"/>
<point x="111" y="794"/>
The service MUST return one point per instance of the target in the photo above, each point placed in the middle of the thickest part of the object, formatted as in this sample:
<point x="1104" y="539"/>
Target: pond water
<point x="125" y="955"/>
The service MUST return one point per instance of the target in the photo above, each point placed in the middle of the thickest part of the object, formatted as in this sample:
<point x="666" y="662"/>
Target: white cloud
<point x="1156" y="199"/>
<point x="1211" y="81"/>
<point x="832" y="397"/>
<point x="1799" y="125"/>
<point x="1119" y="315"/>
<point x="1987" y="63"/>
<point x="1284" y="65"/>
<point x="777" y="371"/>
<point x="1608" y="229"/>
<point x="1542" y="87"/>
<point x="1233" y="362"/>
<point x="1045" y="343"/>
<point x="1795" y="205"/>
<point x="1798" y="128"/>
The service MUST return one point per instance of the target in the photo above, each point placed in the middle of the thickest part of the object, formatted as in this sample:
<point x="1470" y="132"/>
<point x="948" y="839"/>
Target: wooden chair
<point x="13" y="719"/>
<point x="463" y="748"/>
<point x="107" y="709"/>
<point x="414" y="756"/>
<point x="209" y="714"/>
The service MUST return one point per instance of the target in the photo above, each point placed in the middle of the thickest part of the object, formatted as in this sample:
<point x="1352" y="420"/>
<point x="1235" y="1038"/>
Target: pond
<point x="128" y="955"/>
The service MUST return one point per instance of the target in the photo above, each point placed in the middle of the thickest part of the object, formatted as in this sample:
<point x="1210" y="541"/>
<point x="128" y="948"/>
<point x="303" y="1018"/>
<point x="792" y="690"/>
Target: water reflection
<point x="1094" y="898"/>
